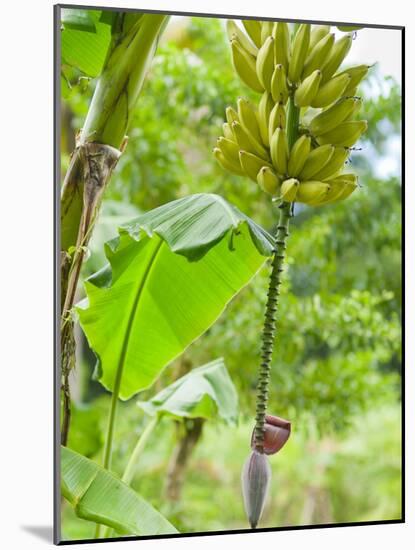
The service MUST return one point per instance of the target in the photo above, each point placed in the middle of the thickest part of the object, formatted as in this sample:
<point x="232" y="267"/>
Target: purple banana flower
<point x="277" y="431"/>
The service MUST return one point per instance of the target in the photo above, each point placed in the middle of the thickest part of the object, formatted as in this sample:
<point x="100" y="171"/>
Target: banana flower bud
<point x="256" y="475"/>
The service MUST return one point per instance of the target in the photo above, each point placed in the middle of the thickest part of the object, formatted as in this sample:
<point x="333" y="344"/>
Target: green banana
<point x="349" y="28"/>
<point x="231" y="116"/>
<point x="331" y="91"/>
<point x="265" y="63"/>
<point x="270" y="63"/>
<point x="349" y="178"/>
<point x="279" y="151"/>
<point x="289" y="189"/>
<point x="247" y="142"/>
<point x="333" y="194"/>
<point x="310" y="191"/>
<point x="357" y="74"/>
<point x="248" y="118"/>
<point x="244" y="64"/>
<point x="348" y="189"/>
<point x="340" y="189"/>
<point x="281" y="34"/>
<point x="234" y="31"/>
<point x="318" y="55"/>
<point x="350" y="92"/>
<point x="253" y="28"/>
<point x="336" y="162"/>
<point x="344" y="181"/>
<point x="307" y="90"/>
<point x="251" y="164"/>
<point x="226" y="164"/>
<point x="266" y="30"/>
<point x="264" y="110"/>
<point x="358" y="102"/>
<point x="277" y="118"/>
<point x="298" y="155"/>
<point x="230" y="149"/>
<point x="317" y="33"/>
<point x="345" y="134"/>
<point x="268" y="181"/>
<point x="299" y="53"/>
<point x="279" y="88"/>
<point x="336" y="56"/>
<point x="227" y="132"/>
<point x="334" y="115"/>
<point x="316" y="160"/>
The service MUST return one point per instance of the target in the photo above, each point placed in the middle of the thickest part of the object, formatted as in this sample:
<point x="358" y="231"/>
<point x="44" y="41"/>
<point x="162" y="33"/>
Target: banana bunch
<point x="300" y="69"/>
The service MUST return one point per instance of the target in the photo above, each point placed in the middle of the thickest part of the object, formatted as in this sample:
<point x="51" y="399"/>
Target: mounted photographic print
<point x="228" y="274"/>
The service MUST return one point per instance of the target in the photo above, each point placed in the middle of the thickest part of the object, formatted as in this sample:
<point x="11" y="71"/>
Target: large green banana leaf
<point x="171" y="273"/>
<point x="205" y="392"/>
<point x="99" y="496"/>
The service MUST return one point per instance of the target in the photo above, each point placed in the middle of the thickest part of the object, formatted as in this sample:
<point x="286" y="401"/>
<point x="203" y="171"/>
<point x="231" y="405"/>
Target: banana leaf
<point x="112" y="215"/>
<point x="81" y="20"/>
<point x="84" y="40"/>
<point x="206" y="392"/>
<point x="99" y="496"/>
<point x="170" y="274"/>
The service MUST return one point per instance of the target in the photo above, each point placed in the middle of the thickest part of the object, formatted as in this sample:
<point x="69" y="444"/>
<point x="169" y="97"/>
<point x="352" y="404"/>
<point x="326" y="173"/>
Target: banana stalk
<point x="300" y="69"/>
<point x="98" y="150"/>
<point x="269" y="330"/>
<point x="256" y="473"/>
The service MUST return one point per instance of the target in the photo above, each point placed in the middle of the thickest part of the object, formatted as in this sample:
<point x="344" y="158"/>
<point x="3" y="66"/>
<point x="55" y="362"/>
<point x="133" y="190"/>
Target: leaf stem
<point x="271" y="309"/>
<point x="132" y="462"/>
<point x="141" y="443"/>
<point x="110" y="431"/>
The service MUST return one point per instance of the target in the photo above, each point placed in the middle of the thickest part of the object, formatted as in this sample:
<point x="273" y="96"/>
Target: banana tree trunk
<point x="98" y="149"/>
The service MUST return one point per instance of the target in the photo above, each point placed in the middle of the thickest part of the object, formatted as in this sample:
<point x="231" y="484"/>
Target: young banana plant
<point x="292" y="70"/>
<point x="98" y="149"/>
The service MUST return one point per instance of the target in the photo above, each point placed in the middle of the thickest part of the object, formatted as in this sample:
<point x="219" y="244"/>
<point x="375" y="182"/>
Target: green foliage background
<point x="336" y="371"/>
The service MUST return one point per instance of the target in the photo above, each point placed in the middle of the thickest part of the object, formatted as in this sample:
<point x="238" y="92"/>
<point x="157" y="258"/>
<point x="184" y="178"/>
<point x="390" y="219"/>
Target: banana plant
<point x="293" y="155"/>
<point x="116" y="47"/>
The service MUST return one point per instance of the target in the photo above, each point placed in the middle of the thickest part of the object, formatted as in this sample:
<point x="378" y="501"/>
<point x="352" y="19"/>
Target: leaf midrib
<point x="124" y="349"/>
